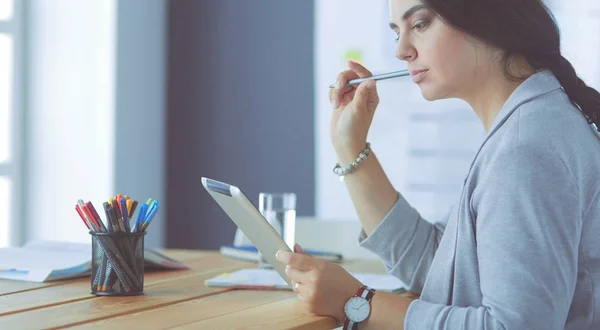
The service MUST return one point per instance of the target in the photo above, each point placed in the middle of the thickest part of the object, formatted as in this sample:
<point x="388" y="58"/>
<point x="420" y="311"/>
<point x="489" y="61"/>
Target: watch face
<point x="357" y="309"/>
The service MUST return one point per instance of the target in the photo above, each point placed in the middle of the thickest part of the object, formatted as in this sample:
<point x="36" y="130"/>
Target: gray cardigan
<point x="521" y="249"/>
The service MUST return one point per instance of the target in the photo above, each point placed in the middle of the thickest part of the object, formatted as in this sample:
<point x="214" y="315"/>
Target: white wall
<point x="577" y="19"/>
<point x="71" y="111"/>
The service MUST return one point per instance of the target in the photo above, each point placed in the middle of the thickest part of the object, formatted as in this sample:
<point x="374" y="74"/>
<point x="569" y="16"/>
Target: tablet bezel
<point x="249" y="220"/>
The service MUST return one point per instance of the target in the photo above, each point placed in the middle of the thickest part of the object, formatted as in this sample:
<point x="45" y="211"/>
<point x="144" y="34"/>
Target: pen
<point x="110" y="224"/>
<point x="113" y="215"/>
<point x="85" y="222"/>
<point x="128" y="202"/>
<point x="86" y="214"/>
<point x="118" y="199"/>
<point x="151" y="214"/>
<point x="95" y="215"/>
<point x="382" y="76"/>
<point x="134" y="205"/>
<point x="140" y="218"/>
<point x="124" y="213"/>
<point x="117" y="212"/>
<point x="115" y="204"/>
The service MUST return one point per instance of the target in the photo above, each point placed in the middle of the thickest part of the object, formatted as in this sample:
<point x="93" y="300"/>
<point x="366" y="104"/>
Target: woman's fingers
<point x="295" y="285"/>
<point x="345" y="96"/>
<point x="297" y="275"/>
<point x="300" y="280"/>
<point x="301" y="290"/>
<point x="357" y="91"/>
<point x="359" y="69"/>
<point x="296" y="260"/>
<point x="342" y="94"/>
<point x="336" y="93"/>
<point x="365" y="92"/>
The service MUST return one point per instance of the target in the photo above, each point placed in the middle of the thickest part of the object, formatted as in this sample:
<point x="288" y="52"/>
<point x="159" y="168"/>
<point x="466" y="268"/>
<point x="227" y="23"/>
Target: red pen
<point x="89" y="216"/>
<point x="95" y="215"/>
<point x="82" y="216"/>
<point x="88" y="221"/>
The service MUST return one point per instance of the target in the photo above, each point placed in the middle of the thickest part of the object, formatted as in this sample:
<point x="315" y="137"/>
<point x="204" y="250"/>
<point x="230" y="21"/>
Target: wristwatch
<point x="358" y="307"/>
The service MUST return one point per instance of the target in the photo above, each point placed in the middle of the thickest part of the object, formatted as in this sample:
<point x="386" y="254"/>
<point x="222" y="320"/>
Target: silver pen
<point x="383" y="76"/>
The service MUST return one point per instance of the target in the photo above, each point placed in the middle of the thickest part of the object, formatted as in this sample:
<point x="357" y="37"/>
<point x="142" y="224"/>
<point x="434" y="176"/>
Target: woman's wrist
<point x="362" y="156"/>
<point x="347" y="154"/>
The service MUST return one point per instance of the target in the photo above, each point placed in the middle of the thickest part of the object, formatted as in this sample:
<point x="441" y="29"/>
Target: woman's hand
<point x="353" y="111"/>
<point x="322" y="286"/>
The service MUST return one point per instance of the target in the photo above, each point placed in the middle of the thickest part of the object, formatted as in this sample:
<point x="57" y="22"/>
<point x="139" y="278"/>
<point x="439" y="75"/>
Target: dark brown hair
<point x="524" y="28"/>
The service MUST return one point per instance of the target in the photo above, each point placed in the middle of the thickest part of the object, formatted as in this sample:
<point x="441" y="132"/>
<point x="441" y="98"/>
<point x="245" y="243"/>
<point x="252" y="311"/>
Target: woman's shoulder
<point x="546" y="134"/>
<point x="550" y="125"/>
<point x="552" y="119"/>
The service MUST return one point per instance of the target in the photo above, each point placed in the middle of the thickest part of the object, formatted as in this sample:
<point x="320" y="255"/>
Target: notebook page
<point x="32" y="259"/>
<point x="268" y="277"/>
<point x="59" y="246"/>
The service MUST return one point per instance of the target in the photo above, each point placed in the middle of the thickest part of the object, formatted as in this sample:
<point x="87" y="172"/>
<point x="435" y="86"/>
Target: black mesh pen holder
<point x="117" y="264"/>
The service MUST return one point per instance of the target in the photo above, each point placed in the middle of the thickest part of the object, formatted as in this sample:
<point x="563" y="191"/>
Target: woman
<point x="521" y="248"/>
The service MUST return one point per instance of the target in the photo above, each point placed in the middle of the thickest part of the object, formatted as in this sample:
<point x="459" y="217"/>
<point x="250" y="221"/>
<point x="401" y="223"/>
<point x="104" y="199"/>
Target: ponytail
<point x="584" y="97"/>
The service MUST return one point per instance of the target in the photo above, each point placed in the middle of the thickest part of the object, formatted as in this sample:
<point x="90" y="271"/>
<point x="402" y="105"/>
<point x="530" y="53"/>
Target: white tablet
<point x="237" y="206"/>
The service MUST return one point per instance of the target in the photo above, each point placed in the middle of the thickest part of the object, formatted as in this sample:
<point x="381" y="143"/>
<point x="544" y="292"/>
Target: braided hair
<point x="584" y="97"/>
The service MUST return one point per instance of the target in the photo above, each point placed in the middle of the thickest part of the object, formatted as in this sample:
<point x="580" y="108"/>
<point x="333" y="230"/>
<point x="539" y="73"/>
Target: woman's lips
<point x="418" y="76"/>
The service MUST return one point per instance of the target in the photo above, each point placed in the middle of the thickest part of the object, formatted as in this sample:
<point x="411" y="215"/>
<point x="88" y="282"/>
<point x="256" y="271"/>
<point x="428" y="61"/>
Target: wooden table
<point x="172" y="299"/>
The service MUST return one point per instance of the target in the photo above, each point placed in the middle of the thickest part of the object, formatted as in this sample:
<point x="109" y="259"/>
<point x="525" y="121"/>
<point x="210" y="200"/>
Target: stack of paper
<point x="42" y="261"/>
<point x="269" y="279"/>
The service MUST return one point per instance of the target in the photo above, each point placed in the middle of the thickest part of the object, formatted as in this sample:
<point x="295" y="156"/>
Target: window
<point x="5" y="88"/>
<point x="4" y="210"/>
<point x="9" y="120"/>
<point x="6" y="9"/>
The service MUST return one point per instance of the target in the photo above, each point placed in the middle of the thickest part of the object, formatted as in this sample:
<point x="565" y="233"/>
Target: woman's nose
<point x="405" y="51"/>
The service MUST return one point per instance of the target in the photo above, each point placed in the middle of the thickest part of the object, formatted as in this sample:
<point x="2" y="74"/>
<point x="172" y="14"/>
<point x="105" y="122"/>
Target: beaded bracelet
<point x="341" y="172"/>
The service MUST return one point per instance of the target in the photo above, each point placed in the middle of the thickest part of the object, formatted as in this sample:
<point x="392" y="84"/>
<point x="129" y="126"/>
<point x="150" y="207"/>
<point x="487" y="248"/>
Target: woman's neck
<point x="491" y="93"/>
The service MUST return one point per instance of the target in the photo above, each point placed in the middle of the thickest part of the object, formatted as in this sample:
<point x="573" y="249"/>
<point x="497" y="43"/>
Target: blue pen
<point x="151" y="206"/>
<point x="124" y="214"/>
<point x="150" y="216"/>
<point x="140" y="218"/>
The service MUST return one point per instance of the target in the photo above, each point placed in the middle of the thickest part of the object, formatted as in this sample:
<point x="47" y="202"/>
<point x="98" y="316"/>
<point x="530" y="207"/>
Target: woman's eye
<point x="420" y="26"/>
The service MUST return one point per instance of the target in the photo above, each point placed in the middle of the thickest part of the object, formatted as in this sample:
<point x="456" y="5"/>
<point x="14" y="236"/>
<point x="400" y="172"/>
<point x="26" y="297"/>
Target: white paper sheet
<point x="257" y="278"/>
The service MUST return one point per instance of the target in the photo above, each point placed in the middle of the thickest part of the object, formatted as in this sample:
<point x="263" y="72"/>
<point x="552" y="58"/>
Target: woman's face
<point x="447" y="56"/>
